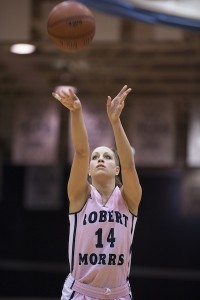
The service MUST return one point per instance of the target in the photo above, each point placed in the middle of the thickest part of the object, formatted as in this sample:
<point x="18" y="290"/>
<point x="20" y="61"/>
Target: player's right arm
<point x="78" y="186"/>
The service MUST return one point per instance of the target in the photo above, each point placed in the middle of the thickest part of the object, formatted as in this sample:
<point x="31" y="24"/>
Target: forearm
<point x="123" y="146"/>
<point x="79" y="132"/>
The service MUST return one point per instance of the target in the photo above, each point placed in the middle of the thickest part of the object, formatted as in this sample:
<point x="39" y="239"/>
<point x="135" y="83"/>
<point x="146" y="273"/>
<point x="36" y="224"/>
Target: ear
<point x="117" y="170"/>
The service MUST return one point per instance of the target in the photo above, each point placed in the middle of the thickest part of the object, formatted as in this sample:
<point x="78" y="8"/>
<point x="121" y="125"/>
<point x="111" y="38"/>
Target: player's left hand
<point x="116" y="105"/>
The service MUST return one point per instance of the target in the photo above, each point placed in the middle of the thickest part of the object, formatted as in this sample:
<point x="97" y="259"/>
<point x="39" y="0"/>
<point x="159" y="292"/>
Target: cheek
<point x="112" y="166"/>
<point x="91" y="166"/>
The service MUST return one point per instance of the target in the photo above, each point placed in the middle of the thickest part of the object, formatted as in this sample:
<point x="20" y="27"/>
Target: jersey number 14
<point x="110" y="238"/>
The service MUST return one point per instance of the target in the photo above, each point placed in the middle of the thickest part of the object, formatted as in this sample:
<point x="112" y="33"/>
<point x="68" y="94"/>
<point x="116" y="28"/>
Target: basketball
<point x="71" y="26"/>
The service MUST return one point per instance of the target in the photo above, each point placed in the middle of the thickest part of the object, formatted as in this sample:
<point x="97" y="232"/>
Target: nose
<point x="100" y="159"/>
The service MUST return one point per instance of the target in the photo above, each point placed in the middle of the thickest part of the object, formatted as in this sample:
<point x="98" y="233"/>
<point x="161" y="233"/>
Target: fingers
<point x="56" y="96"/>
<point x="128" y="91"/>
<point x="71" y="93"/>
<point x="63" y="95"/>
<point x="119" y="100"/>
<point x="124" y="92"/>
<point x="108" y="100"/>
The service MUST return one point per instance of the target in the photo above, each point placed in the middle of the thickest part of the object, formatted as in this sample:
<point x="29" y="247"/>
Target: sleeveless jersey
<point x="100" y="240"/>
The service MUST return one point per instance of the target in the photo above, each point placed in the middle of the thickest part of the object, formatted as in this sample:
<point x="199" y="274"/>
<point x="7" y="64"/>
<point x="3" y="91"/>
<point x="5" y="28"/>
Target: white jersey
<point x="100" y="241"/>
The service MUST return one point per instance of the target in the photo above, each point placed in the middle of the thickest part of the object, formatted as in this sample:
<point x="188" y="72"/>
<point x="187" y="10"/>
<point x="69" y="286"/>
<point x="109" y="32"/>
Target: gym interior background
<point x="162" y="65"/>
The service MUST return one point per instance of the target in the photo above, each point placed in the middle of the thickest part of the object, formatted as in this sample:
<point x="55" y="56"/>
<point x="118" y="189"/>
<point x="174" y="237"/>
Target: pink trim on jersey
<point x="100" y="240"/>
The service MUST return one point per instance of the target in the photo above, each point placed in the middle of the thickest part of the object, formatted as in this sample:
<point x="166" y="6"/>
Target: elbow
<point x="82" y="152"/>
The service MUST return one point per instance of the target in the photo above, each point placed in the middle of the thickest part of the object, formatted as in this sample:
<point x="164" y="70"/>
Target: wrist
<point x="115" y="122"/>
<point x="76" y="110"/>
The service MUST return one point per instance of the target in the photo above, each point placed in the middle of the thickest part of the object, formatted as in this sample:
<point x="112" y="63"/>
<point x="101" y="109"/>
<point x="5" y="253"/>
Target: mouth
<point x="100" y="166"/>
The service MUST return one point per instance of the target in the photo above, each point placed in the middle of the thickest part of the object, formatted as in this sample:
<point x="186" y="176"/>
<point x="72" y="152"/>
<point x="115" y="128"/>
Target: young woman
<point x="102" y="214"/>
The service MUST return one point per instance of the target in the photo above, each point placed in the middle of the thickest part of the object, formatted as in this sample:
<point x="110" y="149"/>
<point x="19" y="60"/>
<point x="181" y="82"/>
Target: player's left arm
<point x="131" y="188"/>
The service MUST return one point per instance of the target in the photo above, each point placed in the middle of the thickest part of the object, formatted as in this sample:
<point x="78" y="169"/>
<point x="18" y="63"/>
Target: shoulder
<point x="131" y="201"/>
<point x="77" y="204"/>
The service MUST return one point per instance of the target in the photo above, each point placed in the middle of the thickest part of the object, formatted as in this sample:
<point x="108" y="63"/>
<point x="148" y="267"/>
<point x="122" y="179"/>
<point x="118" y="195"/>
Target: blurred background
<point x="153" y="47"/>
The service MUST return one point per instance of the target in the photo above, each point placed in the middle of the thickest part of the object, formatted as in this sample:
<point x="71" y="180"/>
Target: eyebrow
<point x="95" y="153"/>
<point x="103" y="153"/>
<point x="108" y="153"/>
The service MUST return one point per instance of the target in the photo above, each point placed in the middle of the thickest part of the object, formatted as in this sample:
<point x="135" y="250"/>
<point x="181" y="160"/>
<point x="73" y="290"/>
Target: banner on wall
<point x="152" y="132"/>
<point x="43" y="188"/>
<point x="191" y="193"/>
<point x="193" y="141"/>
<point x="36" y="134"/>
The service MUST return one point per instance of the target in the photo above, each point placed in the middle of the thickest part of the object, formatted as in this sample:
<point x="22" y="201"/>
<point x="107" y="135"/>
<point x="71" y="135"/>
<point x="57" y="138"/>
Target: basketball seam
<point x="69" y="19"/>
<point x="73" y="38"/>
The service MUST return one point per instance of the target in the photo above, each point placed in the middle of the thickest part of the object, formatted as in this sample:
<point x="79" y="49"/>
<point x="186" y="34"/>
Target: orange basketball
<point x="71" y="26"/>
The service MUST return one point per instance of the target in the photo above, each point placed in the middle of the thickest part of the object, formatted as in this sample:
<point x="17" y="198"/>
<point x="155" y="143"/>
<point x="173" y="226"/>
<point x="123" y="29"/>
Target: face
<point x="103" y="162"/>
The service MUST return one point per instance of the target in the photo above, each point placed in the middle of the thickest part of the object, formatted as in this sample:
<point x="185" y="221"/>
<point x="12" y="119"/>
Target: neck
<point x="104" y="190"/>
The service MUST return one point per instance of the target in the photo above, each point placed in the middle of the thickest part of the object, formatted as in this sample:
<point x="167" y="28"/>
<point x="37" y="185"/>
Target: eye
<point x="94" y="157"/>
<point x="107" y="156"/>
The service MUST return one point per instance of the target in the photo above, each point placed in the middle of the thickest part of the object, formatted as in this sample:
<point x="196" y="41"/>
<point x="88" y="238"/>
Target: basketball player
<point x="102" y="214"/>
